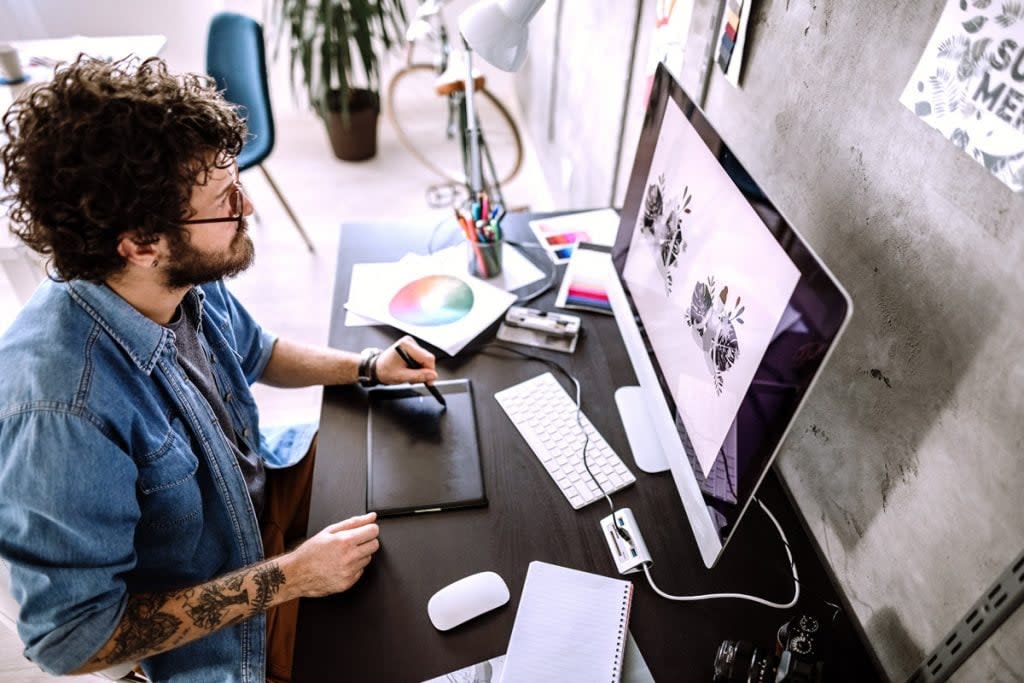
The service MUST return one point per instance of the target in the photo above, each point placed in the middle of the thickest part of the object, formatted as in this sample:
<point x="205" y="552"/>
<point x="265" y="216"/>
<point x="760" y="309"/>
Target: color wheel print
<point x="432" y="300"/>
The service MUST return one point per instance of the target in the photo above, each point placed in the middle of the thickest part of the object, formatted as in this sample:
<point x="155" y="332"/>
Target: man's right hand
<point x="334" y="559"/>
<point x="152" y="623"/>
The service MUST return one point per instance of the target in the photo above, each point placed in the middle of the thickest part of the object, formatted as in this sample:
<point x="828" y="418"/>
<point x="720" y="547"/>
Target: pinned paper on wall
<point x="668" y="41"/>
<point x="968" y="84"/>
<point x="732" y="35"/>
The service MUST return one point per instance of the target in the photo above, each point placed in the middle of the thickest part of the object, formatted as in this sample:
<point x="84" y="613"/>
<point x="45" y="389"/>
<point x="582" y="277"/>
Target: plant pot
<point x="354" y="139"/>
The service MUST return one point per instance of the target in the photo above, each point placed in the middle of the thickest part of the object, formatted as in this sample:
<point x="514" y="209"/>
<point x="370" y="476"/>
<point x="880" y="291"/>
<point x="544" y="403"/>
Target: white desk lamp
<point x="498" y="30"/>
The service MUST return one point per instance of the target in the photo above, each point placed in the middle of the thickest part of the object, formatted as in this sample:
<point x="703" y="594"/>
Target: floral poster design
<point x="708" y="280"/>
<point x="969" y="84"/>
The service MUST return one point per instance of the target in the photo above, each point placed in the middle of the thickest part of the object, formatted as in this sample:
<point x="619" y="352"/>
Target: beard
<point x="188" y="266"/>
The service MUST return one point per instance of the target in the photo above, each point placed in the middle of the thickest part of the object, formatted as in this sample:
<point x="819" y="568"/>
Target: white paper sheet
<point x="377" y="301"/>
<point x="517" y="271"/>
<point x="570" y="626"/>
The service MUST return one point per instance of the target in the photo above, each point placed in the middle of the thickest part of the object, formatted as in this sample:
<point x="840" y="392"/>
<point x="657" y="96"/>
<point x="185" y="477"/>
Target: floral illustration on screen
<point x="664" y="229"/>
<point x="713" y="321"/>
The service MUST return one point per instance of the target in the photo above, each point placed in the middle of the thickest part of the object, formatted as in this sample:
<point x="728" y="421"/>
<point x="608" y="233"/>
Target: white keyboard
<point x="545" y="415"/>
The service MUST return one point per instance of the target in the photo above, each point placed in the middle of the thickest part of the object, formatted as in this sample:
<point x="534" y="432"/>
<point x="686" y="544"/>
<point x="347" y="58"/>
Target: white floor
<point x="289" y="290"/>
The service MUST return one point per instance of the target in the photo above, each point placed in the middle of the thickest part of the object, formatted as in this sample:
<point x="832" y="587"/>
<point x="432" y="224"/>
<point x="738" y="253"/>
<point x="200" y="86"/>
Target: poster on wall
<point x="710" y="281"/>
<point x="969" y="84"/>
<point x="668" y="41"/>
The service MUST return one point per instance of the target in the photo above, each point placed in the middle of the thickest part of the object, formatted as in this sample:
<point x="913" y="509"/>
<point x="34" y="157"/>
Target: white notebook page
<point x="570" y="626"/>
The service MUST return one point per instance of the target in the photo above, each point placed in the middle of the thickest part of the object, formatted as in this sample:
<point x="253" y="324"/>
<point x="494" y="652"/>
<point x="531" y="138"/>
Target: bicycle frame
<point x="428" y="23"/>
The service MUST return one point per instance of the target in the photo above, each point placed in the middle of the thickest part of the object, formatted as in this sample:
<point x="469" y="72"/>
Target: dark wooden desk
<point x="379" y="630"/>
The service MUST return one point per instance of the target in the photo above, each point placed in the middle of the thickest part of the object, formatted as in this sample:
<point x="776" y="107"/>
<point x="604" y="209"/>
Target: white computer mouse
<point x="465" y="599"/>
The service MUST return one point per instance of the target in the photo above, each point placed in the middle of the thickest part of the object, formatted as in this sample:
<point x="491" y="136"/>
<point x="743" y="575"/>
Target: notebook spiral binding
<point x="627" y="599"/>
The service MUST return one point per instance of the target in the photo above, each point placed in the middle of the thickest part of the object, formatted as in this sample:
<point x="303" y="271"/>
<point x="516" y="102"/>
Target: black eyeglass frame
<point x="237" y="197"/>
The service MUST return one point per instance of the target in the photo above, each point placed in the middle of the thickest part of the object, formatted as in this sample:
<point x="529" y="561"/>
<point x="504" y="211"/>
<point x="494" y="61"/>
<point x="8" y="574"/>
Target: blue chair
<point x="235" y="58"/>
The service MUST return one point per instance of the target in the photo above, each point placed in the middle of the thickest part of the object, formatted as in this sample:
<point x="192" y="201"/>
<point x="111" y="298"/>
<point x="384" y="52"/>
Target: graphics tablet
<point x="422" y="457"/>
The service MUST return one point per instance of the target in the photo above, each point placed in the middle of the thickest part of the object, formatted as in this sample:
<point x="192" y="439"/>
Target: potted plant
<point x="335" y="45"/>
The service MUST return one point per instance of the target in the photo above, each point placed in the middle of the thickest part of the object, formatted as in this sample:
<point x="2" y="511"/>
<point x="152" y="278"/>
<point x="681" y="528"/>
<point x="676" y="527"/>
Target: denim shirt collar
<point x="142" y="339"/>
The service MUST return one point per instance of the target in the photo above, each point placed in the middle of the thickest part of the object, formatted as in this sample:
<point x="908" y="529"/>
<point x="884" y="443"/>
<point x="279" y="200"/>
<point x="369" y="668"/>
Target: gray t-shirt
<point x="197" y="367"/>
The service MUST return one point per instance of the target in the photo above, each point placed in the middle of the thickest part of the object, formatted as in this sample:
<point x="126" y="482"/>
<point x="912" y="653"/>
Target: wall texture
<point x="906" y="462"/>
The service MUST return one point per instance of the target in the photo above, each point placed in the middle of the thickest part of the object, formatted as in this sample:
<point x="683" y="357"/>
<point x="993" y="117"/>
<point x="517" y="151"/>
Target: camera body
<point x="799" y="656"/>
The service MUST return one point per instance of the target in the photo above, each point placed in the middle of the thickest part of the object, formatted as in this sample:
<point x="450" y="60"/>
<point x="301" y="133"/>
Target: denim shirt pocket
<point x="170" y="495"/>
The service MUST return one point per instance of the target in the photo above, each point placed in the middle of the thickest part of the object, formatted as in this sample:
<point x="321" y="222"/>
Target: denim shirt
<point x="115" y="478"/>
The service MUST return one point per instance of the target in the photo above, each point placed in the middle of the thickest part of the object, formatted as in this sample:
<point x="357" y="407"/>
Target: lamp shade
<point x="498" y="30"/>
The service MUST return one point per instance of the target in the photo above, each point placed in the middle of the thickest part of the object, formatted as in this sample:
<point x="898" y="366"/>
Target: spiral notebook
<point x="570" y="626"/>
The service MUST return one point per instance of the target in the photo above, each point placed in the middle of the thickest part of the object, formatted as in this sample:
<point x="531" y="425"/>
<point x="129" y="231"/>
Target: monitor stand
<point x="643" y="440"/>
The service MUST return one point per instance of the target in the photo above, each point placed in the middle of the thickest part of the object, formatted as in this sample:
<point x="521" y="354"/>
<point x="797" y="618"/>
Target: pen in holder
<point x="485" y="258"/>
<point x="484" y="239"/>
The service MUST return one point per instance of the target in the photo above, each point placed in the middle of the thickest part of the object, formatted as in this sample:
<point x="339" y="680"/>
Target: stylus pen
<point x="416" y="366"/>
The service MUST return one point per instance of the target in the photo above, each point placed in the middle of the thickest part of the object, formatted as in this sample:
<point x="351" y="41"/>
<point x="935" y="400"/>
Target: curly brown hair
<point x="107" y="148"/>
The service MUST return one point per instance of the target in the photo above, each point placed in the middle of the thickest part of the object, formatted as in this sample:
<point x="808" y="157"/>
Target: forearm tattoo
<point x="269" y="580"/>
<point x="142" y="627"/>
<point x="207" y="611"/>
<point x="153" y="623"/>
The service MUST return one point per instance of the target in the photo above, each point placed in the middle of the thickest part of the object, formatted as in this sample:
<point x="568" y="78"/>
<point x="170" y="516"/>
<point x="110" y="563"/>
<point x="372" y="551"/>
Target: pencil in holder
<point x="484" y="258"/>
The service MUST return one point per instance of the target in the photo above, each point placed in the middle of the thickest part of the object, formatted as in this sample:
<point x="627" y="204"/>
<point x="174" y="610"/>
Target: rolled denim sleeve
<point x="251" y="342"/>
<point x="68" y="514"/>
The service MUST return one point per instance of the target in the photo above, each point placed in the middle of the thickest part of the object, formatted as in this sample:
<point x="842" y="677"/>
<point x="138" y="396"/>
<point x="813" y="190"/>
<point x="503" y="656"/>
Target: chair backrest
<point x="236" y="58"/>
<point x="8" y="606"/>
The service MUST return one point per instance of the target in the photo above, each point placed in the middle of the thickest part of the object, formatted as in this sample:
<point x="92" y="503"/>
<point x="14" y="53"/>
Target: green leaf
<point x="335" y="44"/>
<point x="343" y="60"/>
<point x="975" y="24"/>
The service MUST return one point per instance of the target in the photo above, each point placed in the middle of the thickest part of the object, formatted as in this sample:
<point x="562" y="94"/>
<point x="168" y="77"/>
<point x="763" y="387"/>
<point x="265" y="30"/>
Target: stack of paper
<point x="421" y="297"/>
<point x="585" y="283"/>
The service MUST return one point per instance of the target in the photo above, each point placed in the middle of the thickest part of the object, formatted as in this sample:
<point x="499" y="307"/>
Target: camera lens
<point x="740" y="662"/>
<point x="732" y="661"/>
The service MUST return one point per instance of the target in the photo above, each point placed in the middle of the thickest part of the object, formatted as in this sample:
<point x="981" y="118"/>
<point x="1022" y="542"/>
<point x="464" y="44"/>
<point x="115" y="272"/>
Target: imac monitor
<point x="726" y="313"/>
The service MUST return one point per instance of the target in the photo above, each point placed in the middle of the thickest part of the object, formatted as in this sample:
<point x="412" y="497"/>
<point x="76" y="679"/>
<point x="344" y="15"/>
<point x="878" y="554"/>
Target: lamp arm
<point x="472" y="128"/>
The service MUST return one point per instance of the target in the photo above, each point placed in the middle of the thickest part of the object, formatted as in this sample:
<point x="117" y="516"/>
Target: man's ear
<point x="139" y="253"/>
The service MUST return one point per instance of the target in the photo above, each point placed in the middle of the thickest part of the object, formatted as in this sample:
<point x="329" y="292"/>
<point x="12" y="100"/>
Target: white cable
<point x="740" y="596"/>
<point x="586" y="442"/>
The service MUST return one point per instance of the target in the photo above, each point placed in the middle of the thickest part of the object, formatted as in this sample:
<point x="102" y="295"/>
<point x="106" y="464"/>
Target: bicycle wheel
<point x="429" y="129"/>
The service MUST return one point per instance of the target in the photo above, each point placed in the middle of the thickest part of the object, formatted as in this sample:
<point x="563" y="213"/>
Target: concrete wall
<point x="907" y="461"/>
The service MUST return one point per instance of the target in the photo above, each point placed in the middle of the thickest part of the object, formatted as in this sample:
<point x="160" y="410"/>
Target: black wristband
<point x="373" y="369"/>
<point x="367" y="372"/>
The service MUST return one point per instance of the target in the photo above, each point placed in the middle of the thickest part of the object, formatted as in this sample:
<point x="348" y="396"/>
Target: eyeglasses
<point x="236" y="202"/>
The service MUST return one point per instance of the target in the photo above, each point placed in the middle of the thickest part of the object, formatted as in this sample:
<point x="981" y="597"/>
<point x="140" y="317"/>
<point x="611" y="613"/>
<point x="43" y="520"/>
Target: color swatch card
<point x="445" y="310"/>
<point x="584" y="283"/>
<point x="560" y="235"/>
<point x="732" y="38"/>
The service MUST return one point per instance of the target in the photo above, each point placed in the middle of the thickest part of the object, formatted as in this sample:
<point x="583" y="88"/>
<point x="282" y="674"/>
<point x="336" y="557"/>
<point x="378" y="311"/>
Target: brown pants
<point x="285" y="517"/>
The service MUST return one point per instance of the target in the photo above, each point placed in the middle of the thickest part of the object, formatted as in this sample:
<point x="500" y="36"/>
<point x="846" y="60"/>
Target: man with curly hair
<point x="144" y="515"/>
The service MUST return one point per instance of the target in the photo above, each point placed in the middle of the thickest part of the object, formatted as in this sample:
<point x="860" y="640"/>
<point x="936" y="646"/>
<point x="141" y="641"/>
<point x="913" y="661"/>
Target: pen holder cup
<point x="484" y="258"/>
